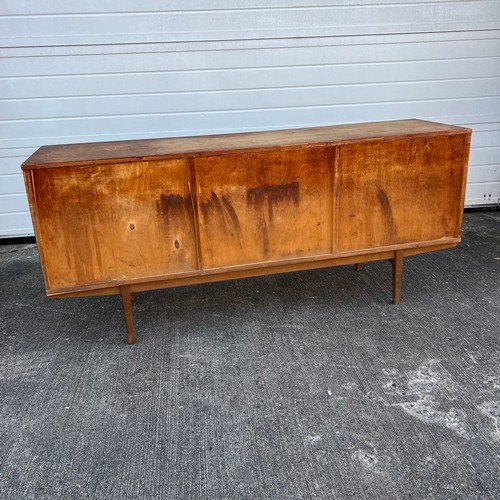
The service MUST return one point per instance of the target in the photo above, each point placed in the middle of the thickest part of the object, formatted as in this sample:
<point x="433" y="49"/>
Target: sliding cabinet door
<point x="114" y="223"/>
<point x="263" y="207"/>
<point x="400" y="192"/>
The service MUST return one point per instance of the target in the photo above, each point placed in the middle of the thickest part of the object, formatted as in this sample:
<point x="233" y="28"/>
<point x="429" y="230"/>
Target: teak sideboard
<point x="129" y="216"/>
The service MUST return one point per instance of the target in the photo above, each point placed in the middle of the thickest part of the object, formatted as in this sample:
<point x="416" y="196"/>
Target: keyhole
<point x="177" y="245"/>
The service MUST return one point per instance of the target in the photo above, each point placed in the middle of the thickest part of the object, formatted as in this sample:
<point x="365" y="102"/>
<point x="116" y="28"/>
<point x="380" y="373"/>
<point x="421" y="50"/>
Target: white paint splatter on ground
<point x="491" y="409"/>
<point x="313" y="439"/>
<point x="425" y="410"/>
<point x="492" y="381"/>
<point x="368" y="459"/>
<point x="349" y="386"/>
<point x="425" y="390"/>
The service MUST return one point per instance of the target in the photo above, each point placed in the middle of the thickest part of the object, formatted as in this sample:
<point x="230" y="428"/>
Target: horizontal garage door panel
<point x="279" y="20"/>
<point x="25" y="133"/>
<point x="16" y="224"/>
<point x="485" y="193"/>
<point x="216" y="100"/>
<point x="244" y="78"/>
<point x="14" y="7"/>
<point x="165" y="57"/>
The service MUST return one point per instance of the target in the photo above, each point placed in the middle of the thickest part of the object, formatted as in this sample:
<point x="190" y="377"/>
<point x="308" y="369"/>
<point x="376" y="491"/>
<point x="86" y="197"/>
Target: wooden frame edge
<point x="250" y="273"/>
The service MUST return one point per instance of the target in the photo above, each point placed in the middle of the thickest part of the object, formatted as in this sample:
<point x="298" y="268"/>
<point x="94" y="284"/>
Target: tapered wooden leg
<point x="127" y="312"/>
<point x="397" y="276"/>
<point x="358" y="266"/>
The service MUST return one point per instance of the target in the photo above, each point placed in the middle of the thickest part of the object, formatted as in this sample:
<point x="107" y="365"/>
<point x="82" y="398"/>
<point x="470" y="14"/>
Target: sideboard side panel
<point x="260" y="207"/>
<point x="103" y="223"/>
<point x="398" y="192"/>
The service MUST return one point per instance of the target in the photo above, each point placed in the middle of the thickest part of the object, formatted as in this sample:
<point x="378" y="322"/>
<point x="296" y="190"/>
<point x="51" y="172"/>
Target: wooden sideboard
<point x="125" y="217"/>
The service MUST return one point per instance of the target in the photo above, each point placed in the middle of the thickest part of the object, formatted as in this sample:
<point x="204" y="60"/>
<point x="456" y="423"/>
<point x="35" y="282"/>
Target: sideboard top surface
<point x="156" y="149"/>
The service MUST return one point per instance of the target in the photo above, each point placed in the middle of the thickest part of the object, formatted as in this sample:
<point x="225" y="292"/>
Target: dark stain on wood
<point x="271" y="195"/>
<point x="222" y="207"/>
<point x="387" y="214"/>
<point x="231" y="212"/>
<point x="212" y="204"/>
<point x="172" y="207"/>
<point x="172" y="203"/>
<point x="265" y="237"/>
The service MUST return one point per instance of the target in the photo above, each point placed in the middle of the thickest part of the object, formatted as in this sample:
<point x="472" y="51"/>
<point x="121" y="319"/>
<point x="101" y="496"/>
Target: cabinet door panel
<point x="265" y="206"/>
<point x="114" y="222"/>
<point x="400" y="192"/>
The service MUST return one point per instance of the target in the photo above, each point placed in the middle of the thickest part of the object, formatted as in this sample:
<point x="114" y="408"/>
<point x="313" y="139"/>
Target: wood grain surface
<point x="265" y="206"/>
<point x="153" y="149"/>
<point x="249" y="204"/>
<point x="114" y="222"/>
<point x="400" y="192"/>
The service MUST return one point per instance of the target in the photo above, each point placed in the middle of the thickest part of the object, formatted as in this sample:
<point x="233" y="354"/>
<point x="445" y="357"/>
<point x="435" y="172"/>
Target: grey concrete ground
<point x="302" y="386"/>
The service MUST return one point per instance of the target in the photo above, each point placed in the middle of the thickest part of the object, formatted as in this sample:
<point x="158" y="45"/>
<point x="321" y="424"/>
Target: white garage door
<point x="105" y="70"/>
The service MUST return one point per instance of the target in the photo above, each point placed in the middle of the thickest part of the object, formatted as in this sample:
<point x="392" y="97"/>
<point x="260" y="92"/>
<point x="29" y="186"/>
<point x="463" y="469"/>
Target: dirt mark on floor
<point x="427" y="394"/>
